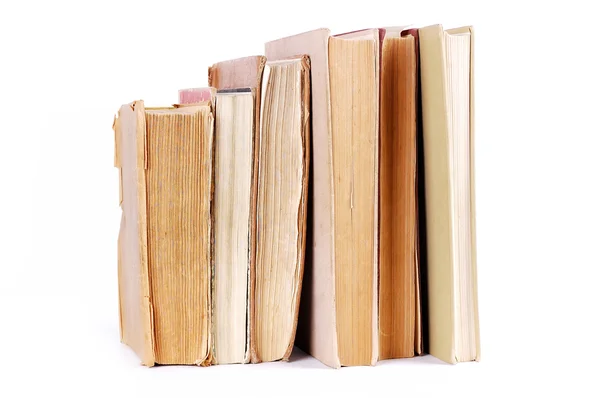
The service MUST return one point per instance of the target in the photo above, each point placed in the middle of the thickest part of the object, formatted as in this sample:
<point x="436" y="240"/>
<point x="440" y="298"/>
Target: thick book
<point x="237" y="101"/>
<point x="400" y="307"/>
<point x="448" y="136"/>
<point x="165" y="158"/>
<point x="283" y="177"/>
<point x="339" y="310"/>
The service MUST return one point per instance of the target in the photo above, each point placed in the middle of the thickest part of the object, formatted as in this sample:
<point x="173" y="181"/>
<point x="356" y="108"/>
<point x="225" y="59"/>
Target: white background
<point x="66" y="67"/>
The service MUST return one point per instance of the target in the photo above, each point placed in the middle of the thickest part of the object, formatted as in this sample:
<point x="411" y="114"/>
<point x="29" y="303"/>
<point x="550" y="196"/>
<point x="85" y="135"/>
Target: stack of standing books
<point x="321" y="194"/>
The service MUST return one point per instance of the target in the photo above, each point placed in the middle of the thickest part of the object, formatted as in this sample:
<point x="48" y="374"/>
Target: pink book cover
<point x="195" y="95"/>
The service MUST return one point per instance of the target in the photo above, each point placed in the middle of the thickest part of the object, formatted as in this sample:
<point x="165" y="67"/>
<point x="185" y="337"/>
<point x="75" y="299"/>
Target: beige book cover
<point x="164" y="157"/>
<point x="317" y="334"/>
<point x="442" y="281"/>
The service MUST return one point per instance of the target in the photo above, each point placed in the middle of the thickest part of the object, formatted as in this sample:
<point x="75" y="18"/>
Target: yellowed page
<point x="354" y="110"/>
<point x="281" y="211"/>
<point x="179" y="183"/>
<point x="398" y="221"/>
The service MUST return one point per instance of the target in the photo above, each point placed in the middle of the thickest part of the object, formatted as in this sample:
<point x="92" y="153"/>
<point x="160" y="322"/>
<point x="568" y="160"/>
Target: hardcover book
<point x="165" y="158"/>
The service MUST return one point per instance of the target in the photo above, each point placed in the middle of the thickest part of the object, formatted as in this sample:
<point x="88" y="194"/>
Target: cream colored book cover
<point x="447" y="79"/>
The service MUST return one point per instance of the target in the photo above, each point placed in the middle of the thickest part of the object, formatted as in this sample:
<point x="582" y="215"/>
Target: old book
<point x="354" y="80"/>
<point x="339" y="309"/>
<point x="284" y="156"/>
<point x="448" y="132"/>
<point x="238" y="100"/>
<point x="400" y="334"/>
<point x="164" y="156"/>
<point x="317" y="331"/>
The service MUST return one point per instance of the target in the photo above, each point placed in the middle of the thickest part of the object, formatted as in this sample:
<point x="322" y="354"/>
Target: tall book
<point x="400" y="326"/>
<point x="448" y="136"/>
<point x="339" y="310"/>
<point x="283" y="176"/>
<point x="165" y="157"/>
<point x="238" y="83"/>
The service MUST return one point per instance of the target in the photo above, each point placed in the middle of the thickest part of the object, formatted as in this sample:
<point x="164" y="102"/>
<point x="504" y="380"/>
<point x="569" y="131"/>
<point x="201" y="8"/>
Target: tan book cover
<point x="442" y="279"/>
<point x="354" y="73"/>
<point x="164" y="157"/>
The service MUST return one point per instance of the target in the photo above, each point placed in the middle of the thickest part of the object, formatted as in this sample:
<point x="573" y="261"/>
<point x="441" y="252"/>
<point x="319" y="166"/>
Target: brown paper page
<point x="317" y="332"/>
<point x="420" y="262"/>
<point x="179" y="184"/>
<point x="354" y="79"/>
<point x="398" y="286"/>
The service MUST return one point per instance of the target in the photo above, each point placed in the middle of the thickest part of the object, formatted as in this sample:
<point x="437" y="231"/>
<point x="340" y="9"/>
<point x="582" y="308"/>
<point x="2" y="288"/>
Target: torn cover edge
<point x="141" y="166"/>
